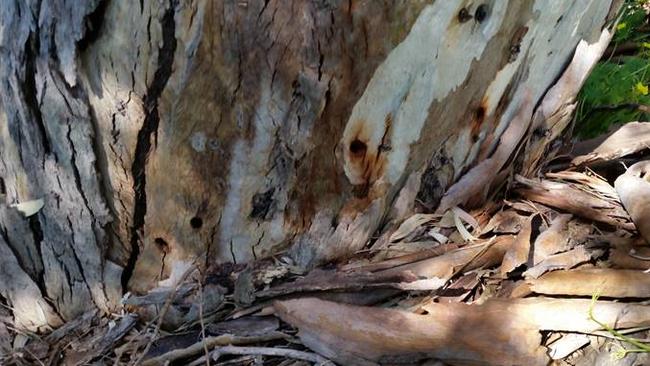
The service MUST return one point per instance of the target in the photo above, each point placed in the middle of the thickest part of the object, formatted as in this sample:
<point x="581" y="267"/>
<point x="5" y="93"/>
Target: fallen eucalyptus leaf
<point x="29" y="208"/>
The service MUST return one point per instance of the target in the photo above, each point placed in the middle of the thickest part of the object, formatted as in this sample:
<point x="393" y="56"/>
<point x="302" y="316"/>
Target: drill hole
<point x="357" y="147"/>
<point x="196" y="222"/>
<point x="463" y="15"/>
<point x="481" y="13"/>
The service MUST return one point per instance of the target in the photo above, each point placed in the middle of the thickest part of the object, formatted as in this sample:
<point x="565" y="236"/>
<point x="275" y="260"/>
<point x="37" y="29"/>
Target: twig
<point x="26" y="349"/>
<point x="211" y="342"/>
<point x="269" y="351"/>
<point x="264" y="351"/>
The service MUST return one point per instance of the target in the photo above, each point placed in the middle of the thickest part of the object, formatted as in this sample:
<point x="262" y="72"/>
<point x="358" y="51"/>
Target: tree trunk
<point x="156" y="132"/>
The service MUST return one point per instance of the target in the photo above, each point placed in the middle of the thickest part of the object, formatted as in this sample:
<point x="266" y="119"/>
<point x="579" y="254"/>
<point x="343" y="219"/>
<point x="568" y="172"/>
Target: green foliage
<point x="622" y="352"/>
<point x="632" y="18"/>
<point x="617" y="85"/>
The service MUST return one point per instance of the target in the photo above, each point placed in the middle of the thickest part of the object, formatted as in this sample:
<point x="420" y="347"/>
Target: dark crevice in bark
<point x="213" y="238"/>
<point x="101" y="163"/>
<point x="146" y="133"/>
<point x="37" y="236"/>
<point x="232" y="253"/>
<point x="75" y="172"/>
<point x="93" y="23"/>
<point x="79" y="266"/>
<point x="29" y="88"/>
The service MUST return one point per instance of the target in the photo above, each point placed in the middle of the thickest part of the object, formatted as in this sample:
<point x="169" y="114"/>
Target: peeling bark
<point x="157" y="132"/>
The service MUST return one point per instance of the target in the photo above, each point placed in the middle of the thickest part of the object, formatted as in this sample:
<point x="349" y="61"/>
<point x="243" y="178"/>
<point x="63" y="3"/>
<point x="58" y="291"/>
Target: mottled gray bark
<point x="157" y="132"/>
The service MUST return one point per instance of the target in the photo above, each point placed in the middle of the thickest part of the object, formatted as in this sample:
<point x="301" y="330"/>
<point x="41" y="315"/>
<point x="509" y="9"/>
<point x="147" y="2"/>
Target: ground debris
<point x="512" y="282"/>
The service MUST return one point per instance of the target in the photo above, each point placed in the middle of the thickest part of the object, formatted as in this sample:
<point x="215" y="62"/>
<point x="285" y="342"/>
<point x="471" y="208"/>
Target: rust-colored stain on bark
<point x="367" y="160"/>
<point x="479" y="118"/>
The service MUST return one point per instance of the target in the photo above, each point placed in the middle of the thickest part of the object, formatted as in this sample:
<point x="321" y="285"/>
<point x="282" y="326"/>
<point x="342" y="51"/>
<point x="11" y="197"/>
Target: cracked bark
<point x="233" y="130"/>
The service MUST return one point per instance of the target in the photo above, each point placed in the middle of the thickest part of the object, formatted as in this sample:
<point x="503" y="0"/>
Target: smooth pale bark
<point x="157" y="132"/>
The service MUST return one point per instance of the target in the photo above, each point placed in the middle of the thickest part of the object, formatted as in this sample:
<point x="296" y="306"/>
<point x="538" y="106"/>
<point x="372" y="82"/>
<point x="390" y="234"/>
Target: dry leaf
<point x="29" y="208"/>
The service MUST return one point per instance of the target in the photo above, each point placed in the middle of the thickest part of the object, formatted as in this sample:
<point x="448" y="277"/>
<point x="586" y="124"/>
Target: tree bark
<point x="156" y="132"/>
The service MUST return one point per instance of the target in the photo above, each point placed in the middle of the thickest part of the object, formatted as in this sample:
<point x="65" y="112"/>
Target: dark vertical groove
<point x="29" y="88"/>
<point x="93" y="23"/>
<point x="149" y="130"/>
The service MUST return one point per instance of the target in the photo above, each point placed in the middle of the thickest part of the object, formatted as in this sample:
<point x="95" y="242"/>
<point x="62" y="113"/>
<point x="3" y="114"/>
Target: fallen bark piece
<point x="593" y="183"/>
<point x="564" y="260"/>
<point x="499" y="332"/>
<point x="552" y="240"/>
<point x="321" y="280"/>
<point x="353" y="335"/>
<point x="401" y="260"/>
<point x="488" y="253"/>
<point x="580" y="202"/>
<point x="633" y="188"/>
<point x="518" y="252"/>
<point x="617" y="283"/>
<point x="630" y="138"/>
<point x="244" y="327"/>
